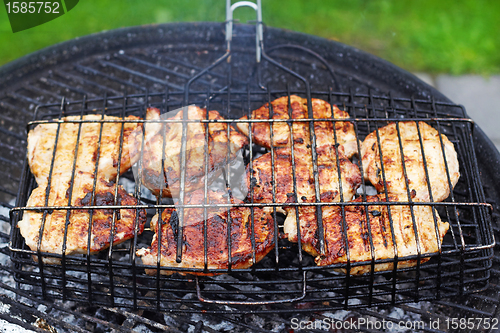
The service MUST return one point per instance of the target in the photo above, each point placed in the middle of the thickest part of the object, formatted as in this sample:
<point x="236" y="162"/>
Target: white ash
<point x="4" y="308"/>
<point x="42" y="308"/>
<point x="278" y="328"/>
<point x="354" y="301"/>
<point x="338" y="315"/>
<point x="219" y="326"/>
<point x="141" y="329"/>
<point x="6" y="327"/>
<point x="5" y="277"/>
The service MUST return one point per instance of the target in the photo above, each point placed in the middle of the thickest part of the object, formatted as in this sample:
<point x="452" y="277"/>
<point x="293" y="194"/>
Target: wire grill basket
<point x="286" y="280"/>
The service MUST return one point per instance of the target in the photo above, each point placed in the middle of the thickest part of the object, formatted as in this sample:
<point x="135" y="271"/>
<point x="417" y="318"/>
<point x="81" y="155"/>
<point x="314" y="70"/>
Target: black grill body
<point x="151" y="66"/>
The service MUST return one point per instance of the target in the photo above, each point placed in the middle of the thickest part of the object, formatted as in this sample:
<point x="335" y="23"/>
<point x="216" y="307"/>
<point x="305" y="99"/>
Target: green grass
<point x="435" y="36"/>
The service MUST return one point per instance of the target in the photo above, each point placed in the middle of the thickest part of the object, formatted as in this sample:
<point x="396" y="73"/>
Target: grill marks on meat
<point x="127" y="221"/>
<point x="329" y="183"/>
<point x="325" y="130"/>
<point x="42" y="138"/>
<point x="338" y="177"/>
<point x="239" y="221"/>
<point x="413" y="233"/>
<point x="413" y="161"/>
<point x="57" y="224"/>
<point x="358" y="234"/>
<point x="169" y="140"/>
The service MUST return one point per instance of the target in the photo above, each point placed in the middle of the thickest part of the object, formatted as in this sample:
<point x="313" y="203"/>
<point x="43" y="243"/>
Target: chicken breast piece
<point x="332" y="178"/>
<point x="413" y="161"/>
<point x="324" y="130"/>
<point x="42" y="138"/>
<point x="217" y="222"/>
<point x="167" y="144"/>
<point x="127" y="222"/>
<point x="429" y="231"/>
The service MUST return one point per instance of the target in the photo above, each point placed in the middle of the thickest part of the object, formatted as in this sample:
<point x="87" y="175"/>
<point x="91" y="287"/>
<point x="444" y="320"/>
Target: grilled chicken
<point x="217" y="222"/>
<point x="200" y="148"/>
<point x="75" y="181"/>
<point x="42" y="138"/>
<point x="261" y="185"/>
<point x="324" y="130"/>
<point x="427" y="224"/>
<point x="73" y="224"/>
<point x="393" y="170"/>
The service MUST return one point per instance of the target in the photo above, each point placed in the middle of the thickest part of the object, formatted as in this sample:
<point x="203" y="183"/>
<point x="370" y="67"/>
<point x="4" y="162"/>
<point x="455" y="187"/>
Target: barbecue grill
<point x="168" y="66"/>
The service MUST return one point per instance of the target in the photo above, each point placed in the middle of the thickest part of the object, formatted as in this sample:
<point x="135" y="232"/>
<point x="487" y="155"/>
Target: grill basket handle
<point x="255" y="302"/>
<point x="259" y="35"/>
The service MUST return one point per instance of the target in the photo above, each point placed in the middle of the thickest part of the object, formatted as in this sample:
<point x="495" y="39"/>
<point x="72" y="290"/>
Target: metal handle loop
<point x="256" y="302"/>
<point x="258" y="28"/>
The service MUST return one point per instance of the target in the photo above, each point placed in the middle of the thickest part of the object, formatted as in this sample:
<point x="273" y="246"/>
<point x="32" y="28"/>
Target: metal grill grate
<point x="115" y="277"/>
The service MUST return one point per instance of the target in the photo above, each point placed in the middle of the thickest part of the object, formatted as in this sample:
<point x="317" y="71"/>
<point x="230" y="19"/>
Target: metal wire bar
<point x="47" y="195"/>
<point x="227" y="180"/>
<point x="70" y="196"/>
<point x="115" y="212"/>
<point x="159" y="211"/>
<point x="410" y="200"/>
<point x="85" y="69"/>
<point x="377" y="102"/>
<point x="205" y="222"/>
<point x="93" y="200"/>
<point x="367" y="215"/>
<point x="348" y="203"/>
<point x="391" y="222"/>
<point x="141" y="75"/>
<point x="294" y="178"/>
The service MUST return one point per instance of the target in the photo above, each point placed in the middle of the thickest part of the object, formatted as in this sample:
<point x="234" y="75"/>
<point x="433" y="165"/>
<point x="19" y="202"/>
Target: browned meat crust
<point x="77" y="240"/>
<point x="328" y="177"/>
<point x="168" y="180"/>
<point x="380" y="229"/>
<point x="240" y="224"/>
<point x="413" y="161"/>
<point x="324" y="130"/>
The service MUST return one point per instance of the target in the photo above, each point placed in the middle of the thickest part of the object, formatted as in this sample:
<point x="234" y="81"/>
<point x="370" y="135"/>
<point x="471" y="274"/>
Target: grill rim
<point x="117" y="39"/>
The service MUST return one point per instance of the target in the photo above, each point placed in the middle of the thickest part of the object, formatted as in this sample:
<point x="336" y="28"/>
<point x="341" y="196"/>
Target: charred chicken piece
<point x="218" y="222"/>
<point x="164" y="150"/>
<point x="58" y="225"/>
<point x="325" y="130"/>
<point x="413" y="161"/>
<point x="428" y="233"/>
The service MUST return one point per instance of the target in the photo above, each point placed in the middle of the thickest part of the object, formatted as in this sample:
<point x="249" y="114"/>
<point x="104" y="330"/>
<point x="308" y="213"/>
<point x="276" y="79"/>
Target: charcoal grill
<point x="122" y="72"/>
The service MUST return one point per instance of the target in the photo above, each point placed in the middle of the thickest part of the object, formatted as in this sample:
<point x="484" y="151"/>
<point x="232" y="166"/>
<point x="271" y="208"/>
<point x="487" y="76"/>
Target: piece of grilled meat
<point x="335" y="174"/>
<point x="73" y="224"/>
<point x="428" y="225"/>
<point x="200" y="147"/>
<point x="41" y="141"/>
<point x="72" y="180"/>
<point x="217" y="224"/>
<point x="344" y="133"/>
<point x="390" y="148"/>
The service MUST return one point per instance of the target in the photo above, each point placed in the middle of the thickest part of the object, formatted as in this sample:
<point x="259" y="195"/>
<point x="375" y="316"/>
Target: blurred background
<point x="451" y="44"/>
